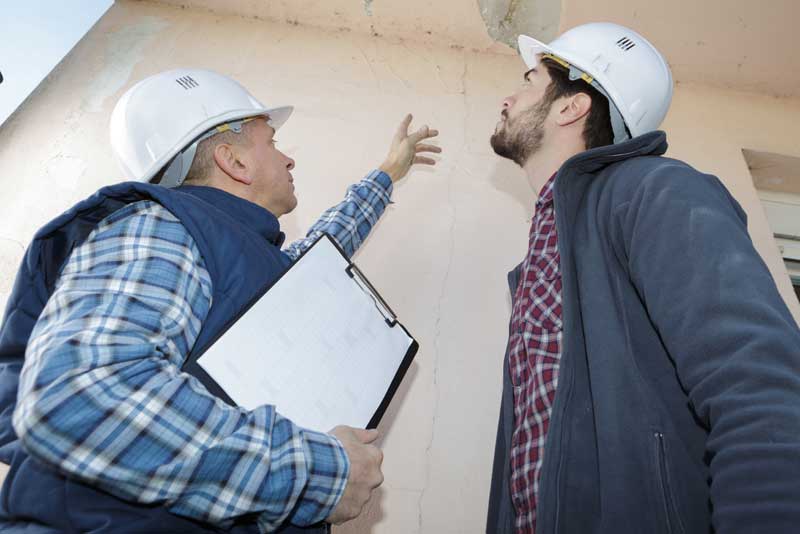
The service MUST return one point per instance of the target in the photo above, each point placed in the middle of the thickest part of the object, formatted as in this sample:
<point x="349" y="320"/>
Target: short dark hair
<point x="597" y="129"/>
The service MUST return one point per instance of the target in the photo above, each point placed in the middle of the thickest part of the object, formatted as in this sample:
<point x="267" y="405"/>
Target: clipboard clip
<point x="355" y="273"/>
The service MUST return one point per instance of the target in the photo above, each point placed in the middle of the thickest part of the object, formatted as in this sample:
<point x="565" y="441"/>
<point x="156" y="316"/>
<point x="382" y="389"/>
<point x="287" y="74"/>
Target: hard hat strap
<point x="178" y="168"/>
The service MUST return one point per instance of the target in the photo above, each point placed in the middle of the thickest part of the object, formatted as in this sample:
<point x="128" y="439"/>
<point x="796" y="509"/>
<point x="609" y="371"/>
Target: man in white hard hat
<point x="652" y="372"/>
<point x="116" y="428"/>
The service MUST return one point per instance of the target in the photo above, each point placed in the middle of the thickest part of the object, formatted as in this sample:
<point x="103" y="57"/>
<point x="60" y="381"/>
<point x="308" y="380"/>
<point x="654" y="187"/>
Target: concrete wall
<point x="441" y="252"/>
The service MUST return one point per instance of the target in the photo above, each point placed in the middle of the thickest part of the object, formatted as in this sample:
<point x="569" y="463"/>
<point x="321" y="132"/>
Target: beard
<point x="519" y="138"/>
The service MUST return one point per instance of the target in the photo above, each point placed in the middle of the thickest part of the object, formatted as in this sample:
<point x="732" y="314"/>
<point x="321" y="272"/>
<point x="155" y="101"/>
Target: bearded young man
<point x="652" y="373"/>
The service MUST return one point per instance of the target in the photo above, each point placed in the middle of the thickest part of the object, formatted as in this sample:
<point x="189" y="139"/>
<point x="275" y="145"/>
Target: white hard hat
<point x="160" y="120"/>
<point x="630" y="72"/>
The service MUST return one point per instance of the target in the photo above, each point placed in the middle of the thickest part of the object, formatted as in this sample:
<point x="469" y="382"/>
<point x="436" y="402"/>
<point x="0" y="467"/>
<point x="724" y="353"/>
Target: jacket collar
<point x="649" y="144"/>
<point x="249" y="215"/>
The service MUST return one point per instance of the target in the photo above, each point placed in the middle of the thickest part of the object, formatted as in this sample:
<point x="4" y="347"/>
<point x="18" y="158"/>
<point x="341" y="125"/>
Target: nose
<point x="507" y="102"/>
<point x="289" y="163"/>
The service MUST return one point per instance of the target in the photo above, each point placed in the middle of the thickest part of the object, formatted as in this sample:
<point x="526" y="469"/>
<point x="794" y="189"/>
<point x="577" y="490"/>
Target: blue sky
<point x="36" y="35"/>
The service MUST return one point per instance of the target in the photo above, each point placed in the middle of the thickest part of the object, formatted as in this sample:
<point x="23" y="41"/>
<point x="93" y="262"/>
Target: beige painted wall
<point x="732" y="44"/>
<point x="441" y="252"/>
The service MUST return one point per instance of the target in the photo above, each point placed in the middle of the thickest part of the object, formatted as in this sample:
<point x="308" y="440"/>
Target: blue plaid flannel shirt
<point x="102" y="396"/>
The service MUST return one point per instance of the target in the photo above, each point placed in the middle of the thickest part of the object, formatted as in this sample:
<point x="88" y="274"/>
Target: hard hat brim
<point x="530" y="48"/>
<point x="277" y="118"/>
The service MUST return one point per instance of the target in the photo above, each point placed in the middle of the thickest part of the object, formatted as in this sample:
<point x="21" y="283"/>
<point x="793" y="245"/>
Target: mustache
<point x="504" y="114"/>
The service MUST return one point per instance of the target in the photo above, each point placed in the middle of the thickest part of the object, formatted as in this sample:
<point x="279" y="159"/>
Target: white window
<point x="777" y="180"/>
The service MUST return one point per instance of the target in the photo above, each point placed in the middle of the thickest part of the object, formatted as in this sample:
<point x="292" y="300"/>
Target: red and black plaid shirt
<point x="535" y="353"/>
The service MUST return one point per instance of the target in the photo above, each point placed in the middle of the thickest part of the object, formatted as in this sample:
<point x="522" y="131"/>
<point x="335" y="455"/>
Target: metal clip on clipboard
<point x="359" y="278"/>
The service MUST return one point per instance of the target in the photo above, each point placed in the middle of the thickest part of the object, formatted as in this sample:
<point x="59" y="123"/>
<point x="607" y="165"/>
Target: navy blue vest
<point x="240" y="244"/>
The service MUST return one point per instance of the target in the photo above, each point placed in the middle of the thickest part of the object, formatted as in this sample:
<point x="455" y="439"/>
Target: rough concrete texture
<point x="506" y="19"/>
<point x="440" y="253"/>
<point x="455" y="23"/>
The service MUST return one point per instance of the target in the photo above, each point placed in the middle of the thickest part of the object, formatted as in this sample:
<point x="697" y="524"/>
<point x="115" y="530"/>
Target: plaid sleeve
<point x="350" y="221"/>
<point x="102" y="397"/>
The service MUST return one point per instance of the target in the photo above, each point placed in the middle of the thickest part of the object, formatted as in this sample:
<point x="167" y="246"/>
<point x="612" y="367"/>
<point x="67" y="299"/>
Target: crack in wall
<point x="434" y="64"/>
<point x="397" y="76"/>
<point x="510" y="12"/>
<point x="452" y="209"/>
<point x="371" y="69"/>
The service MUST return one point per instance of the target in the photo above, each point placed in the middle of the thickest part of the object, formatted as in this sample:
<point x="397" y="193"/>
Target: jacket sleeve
<point x="735" y="345"/>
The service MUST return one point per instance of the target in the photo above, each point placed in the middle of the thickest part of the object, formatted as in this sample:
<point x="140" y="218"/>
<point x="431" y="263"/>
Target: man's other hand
<point x="365" y="471"/>
<point x="406" y="148"/>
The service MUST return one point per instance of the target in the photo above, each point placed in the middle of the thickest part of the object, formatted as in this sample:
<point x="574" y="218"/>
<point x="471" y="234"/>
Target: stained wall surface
<point x="440" y="253"/>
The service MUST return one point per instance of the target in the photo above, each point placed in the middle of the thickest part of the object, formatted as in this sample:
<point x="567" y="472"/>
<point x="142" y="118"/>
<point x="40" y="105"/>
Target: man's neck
<point x="221" y="181"/>
<point x="547" y="161"/>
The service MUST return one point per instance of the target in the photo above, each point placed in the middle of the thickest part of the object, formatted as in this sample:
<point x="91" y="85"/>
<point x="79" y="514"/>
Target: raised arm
<point x="350" y="221"/>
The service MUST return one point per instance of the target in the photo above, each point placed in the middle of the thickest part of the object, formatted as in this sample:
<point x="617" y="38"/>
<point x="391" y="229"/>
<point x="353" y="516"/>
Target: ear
<point x="230" y="161"/>
<point x="573" y="108"/>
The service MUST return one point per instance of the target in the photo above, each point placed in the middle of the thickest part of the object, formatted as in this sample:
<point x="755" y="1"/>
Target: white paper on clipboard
<point x="318" y="345"/>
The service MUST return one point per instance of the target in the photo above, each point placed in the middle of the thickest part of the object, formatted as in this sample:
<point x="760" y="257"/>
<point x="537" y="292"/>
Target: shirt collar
<point x="546" y="196"/>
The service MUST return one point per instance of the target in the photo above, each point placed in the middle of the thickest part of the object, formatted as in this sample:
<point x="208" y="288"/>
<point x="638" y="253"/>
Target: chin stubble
<point x="521" y="137"/>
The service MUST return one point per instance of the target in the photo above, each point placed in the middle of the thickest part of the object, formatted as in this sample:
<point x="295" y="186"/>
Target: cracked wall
<point x="506" y="19"/>
<point x="448" y="22"/>
<point x="473" y="24"/>
<point x="440" y="253"/>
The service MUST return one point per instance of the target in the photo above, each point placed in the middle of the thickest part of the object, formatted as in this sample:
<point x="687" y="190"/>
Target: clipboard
<point x="320" y="344"/>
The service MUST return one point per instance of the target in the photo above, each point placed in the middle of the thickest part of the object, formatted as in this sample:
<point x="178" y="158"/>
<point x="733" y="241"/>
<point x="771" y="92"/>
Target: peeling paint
<point x="510" y="12"/>
<point x="368" y="7"/>
<point x="506" y="19"/>
<point x="126" y="48"/>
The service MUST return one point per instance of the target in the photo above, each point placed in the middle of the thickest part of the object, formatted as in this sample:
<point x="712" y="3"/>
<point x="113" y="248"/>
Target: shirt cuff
<point x="382" y="179"/>
<point x="328" y="469"/>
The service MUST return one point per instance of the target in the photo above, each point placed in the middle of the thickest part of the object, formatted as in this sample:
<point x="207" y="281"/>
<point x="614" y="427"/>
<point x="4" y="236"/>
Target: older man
<point x="116" y="428"/>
